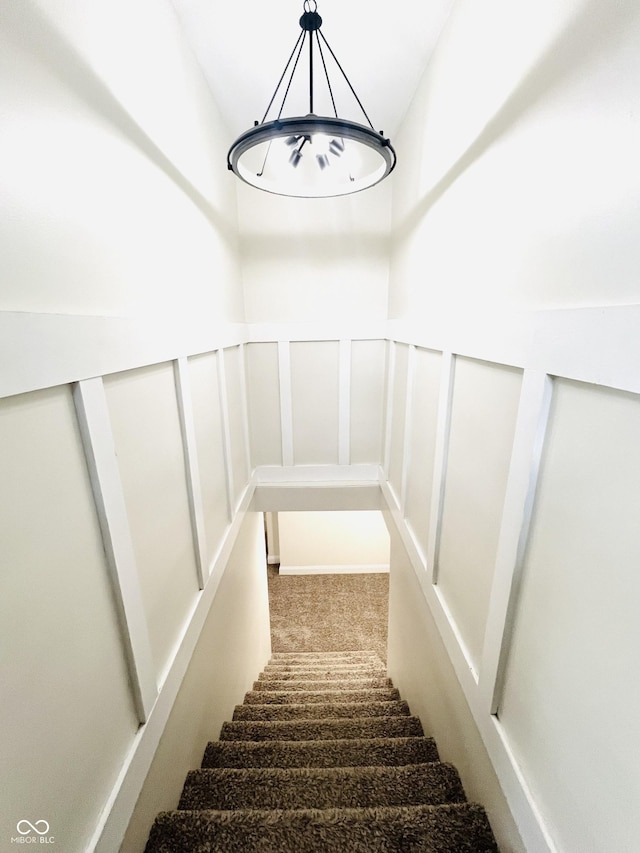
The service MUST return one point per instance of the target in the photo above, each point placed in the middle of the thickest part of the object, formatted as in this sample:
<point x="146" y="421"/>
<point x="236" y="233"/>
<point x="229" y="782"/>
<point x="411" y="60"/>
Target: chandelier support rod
<point x="353" y="91"/>
<point x="310" y="73"/>
<point x="273" y="97"/>
<point x="326" y="74"/>
<point x="295" y="65"/>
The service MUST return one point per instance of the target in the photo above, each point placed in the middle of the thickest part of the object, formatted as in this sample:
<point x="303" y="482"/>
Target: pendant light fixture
<point x="312" y="156"/>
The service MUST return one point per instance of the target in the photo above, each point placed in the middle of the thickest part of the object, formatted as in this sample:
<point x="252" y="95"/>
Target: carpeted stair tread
<point x="306" y="697"/>
<point x="456" y="828"/>
<point x="315" y="788"/>
<point x="323" y="756"/>
<point x="318" y="663"/>
<point x="321" y="674"/>
<point x="323" y="656"/>
<point x="336" y="670"/>
<point x="335" y="710"/>
<point x="322" y="729"/>
<point x="349" y="752"/>
<point x="324" y="684"/>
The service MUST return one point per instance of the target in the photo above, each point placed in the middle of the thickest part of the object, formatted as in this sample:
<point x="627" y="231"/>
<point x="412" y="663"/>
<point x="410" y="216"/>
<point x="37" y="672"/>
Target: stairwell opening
<point x="328" y="579"/>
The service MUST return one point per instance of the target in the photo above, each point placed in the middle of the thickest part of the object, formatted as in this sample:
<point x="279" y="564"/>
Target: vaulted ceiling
<point x="243" y="47"/>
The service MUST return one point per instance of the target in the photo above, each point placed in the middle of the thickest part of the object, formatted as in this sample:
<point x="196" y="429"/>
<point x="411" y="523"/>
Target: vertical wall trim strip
<point x="97" y="439"/>
<point x="524" y="470"/>
<point x="408" y="428"/>
<point x="286" y="406"/>
<point x="443" y="429"/>
<point x="391" y="373"/>
<point x="226" y="433"/>
<point x="344" y="404"/>
<point x="192" y="469"/>
<point x="244" y="396"/>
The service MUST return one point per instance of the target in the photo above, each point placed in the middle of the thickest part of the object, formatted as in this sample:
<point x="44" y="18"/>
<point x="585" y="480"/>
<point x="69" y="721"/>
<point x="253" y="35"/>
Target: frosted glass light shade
<point x="311" y="157"/>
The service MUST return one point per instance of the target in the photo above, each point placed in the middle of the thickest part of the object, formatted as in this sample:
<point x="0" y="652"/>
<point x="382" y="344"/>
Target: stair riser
<point x="324" y="667"/>
<point x="333" y="710"/>
<point x="324" y="684"/>
<point x="390" y="752"/>
<point x="428" y="829"/>
<point x="284" y="697"/>
<point x="373" y="727"/>
<point x="321" y="674"/>
<point x="323" y="656"/>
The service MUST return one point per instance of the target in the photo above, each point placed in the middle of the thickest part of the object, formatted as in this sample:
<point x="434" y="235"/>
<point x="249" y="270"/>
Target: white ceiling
<point x="243" y="47"/>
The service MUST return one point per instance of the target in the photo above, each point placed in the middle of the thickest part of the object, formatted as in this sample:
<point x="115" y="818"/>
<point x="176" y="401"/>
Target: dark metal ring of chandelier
<point x="311" y="156"/>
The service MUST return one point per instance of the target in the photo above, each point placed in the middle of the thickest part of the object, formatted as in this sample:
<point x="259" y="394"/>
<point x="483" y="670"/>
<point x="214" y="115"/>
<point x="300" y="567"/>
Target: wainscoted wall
<point x="315" y="402"/>
<point x="143" y="411"/>
<point x="125" y="497"/>
<point x="136" y="487"/>
<point x="570" y="702"/>
<point x="520" y="530"/>
<point x="477" y="467"/>
<point x="124" y="506"/>
<point x="66" y="696"/>
<point x="222" y="669"/>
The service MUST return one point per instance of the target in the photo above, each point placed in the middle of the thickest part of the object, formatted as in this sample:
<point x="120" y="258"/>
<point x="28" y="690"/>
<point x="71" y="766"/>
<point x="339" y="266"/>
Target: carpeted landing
<point x="323" y="757"/>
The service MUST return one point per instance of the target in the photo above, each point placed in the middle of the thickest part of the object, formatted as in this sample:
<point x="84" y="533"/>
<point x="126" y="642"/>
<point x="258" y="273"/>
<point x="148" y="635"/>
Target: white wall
<point x="516" y="179"/>
<point x="113" y="200"/>
<point x="330" y="542"/>
<point x="315" y="260"/>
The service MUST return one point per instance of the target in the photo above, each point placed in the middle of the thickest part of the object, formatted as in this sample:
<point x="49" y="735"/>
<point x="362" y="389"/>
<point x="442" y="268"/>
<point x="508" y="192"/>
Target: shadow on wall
<point x="64" y="62"/>
<point x="594" y="29"/>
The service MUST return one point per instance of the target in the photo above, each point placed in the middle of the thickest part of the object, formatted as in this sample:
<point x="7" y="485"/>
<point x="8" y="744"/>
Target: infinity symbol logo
<point x="44" y="827"/>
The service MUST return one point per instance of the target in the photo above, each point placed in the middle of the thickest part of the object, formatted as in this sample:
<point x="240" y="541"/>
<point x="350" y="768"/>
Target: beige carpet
<point x="330" y="776"/>
<point x="322" y="613"/>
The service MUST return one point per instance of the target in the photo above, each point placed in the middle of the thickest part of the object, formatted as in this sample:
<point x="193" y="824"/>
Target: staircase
<point x="323" y="757"/>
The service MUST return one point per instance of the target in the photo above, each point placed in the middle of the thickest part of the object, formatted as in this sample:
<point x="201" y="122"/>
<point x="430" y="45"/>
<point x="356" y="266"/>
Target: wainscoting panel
<point x="315" y="395"/>
<point x="263" y="391"/>
<point x="574" y="649"/>
<point x="235" y="400"/>
<point x="397" y="420"/>
<point x="205" y="396"/>
<point x="483" y="417"/>
<point x="422" y="441"/>
<point x="368" y="359"/>
<point x="144" y="415"/>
